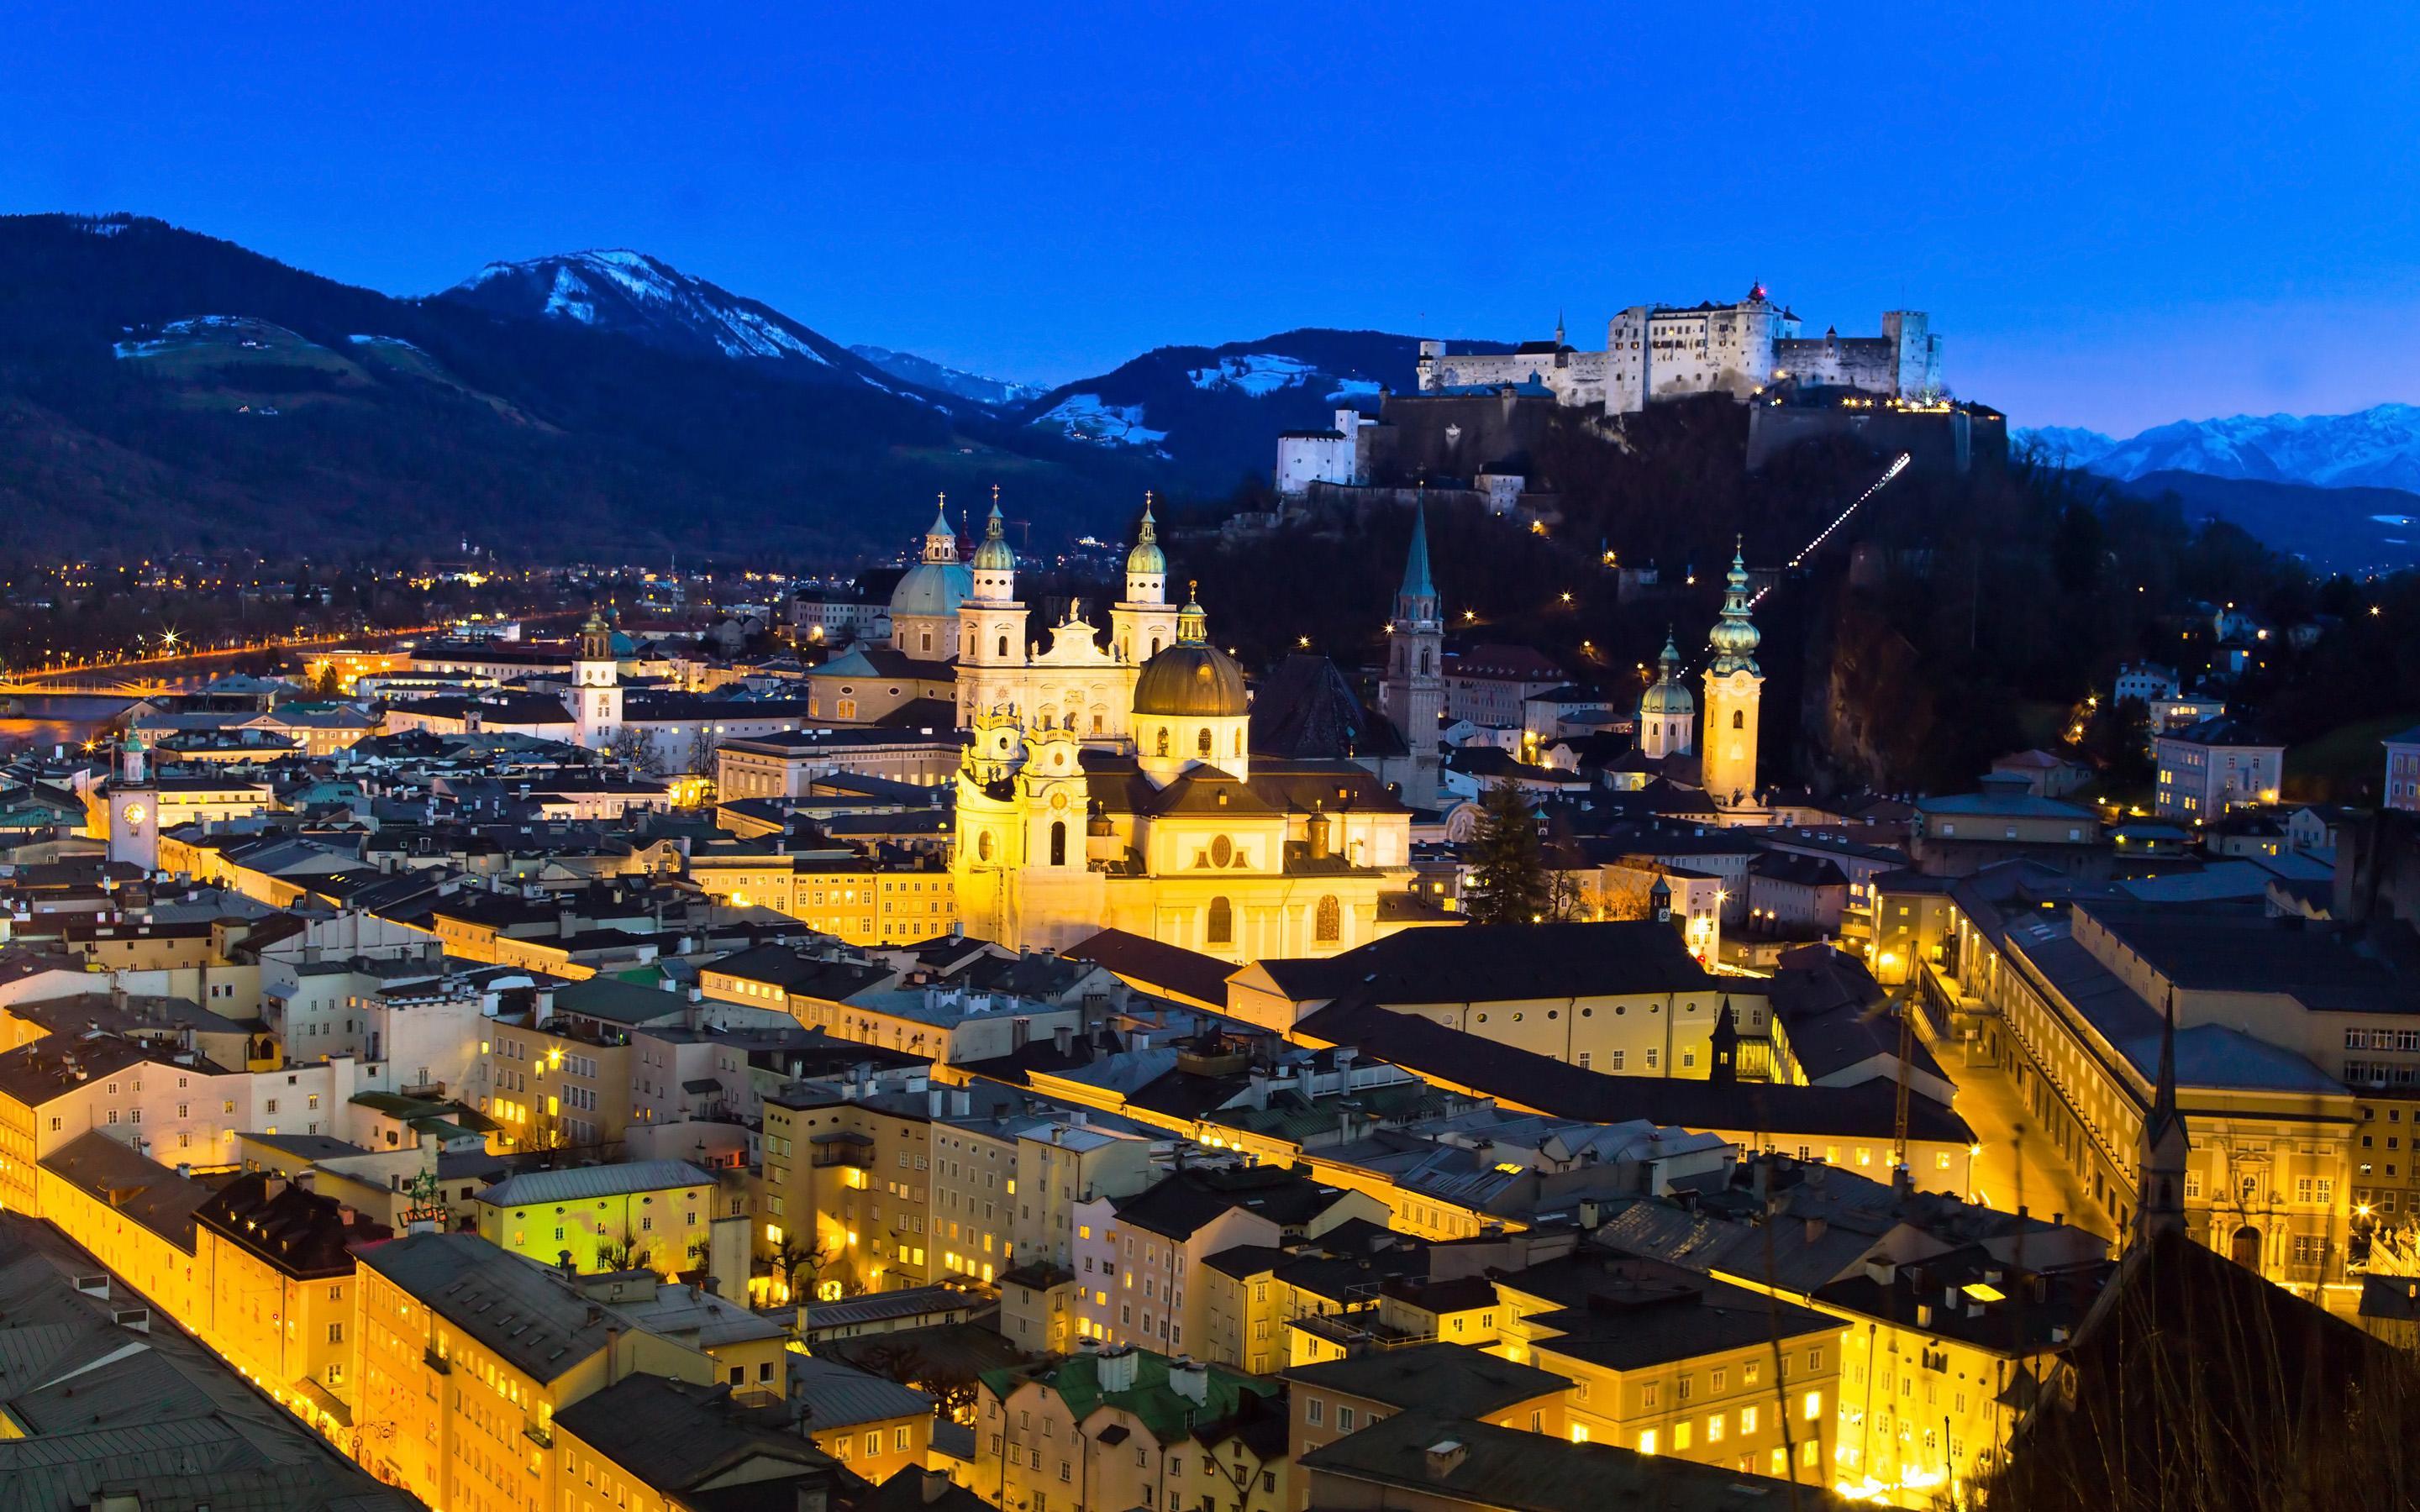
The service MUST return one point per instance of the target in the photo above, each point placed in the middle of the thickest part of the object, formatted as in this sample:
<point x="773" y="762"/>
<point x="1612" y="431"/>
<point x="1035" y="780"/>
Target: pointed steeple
<point x="1725" y="1048"/>
<point x="1416" y="581"/>
<point x="1668" y="666"/>
<point x="940" y="542"/>
<point x="2160" y="1178"/>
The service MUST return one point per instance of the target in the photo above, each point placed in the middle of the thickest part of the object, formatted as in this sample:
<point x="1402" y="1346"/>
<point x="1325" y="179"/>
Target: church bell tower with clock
<point x="134" y="806"/>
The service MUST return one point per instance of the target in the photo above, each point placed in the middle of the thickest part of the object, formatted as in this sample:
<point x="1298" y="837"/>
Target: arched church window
<point x="1201" y="741"/>
<point x="1327" y="922"/>
<point x="1154" y="645"/>
<point x="1739" y="719"/>
<point x="1424" y="661"/>
<point x="1239" y="743"/>
<point x="1096" y="724"/>
<point x="1222" y="922"/>
<point x="982" y="847"/>
<point x="1003" y="648"/>
<point x="1058" y="842"/>
<point x="1162" y="742"/>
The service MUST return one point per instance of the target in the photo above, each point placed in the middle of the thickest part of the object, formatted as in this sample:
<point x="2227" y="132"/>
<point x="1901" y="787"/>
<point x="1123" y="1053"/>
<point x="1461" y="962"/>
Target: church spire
<point x="940" y="542"/>
<point x="2159" y="1186"/>
<point x="1416" y="581"/>
<point x="1735" y="636"/>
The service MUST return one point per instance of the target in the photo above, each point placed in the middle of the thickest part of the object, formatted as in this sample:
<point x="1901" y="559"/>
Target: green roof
<point x="1170" y="1416"/>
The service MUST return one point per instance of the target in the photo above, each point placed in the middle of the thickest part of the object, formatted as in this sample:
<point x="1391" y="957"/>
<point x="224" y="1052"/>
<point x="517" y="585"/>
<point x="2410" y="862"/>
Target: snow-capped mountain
<point x="926" y="373"/>
<point x="632" y="294"/>
<point x="1214" y="411"/>
<point x="2373" y="448"/>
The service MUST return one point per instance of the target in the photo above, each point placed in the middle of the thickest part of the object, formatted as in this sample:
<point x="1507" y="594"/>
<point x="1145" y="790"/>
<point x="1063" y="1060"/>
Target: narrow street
<point x="2016" y="1167"/>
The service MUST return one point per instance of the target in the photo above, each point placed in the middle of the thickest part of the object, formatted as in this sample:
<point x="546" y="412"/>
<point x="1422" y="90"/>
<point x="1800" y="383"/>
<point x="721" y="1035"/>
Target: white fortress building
<point x="1656" y="352"/>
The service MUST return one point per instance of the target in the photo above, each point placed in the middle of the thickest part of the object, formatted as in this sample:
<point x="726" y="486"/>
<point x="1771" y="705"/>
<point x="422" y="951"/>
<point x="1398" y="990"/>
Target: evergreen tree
<point x="1509" y="883"/>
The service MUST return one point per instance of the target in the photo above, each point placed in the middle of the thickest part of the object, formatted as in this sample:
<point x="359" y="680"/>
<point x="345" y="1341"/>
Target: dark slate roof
<point x="1629" y="1313"/>
<point x="676" y="1436"/>
<point x="1189" y="1199"/>
<point x="1305" y="708"/>
<point x="1488" y="962"/>
<point x="290" y="1227"/>
<point x="525" y="1312"/>
<point x="1521" y="1471"/>
<point x="57" y="1064"/>
<point x="1520" y="1079"/>
<point x="1798" y="871"/>
<point x="139" y="1188"/>
<point x="1425" y="1375"/>
<point x="837" y="1395"/>
<point x="1155" y="967"/>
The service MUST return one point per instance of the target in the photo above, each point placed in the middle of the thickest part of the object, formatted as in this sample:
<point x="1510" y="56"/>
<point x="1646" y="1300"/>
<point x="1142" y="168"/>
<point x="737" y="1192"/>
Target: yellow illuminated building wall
<point x="658" y="1228"/>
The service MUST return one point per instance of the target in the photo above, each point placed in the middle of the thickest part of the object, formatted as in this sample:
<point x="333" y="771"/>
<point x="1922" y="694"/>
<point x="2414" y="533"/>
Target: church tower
<point x="1667" y="716"/>
<point x="1144" y="623"/>
<point x="991" y="625"/>
<point x="1413" y="691"/>
<point x="596" y="685"/>
<point x="134" y="806"/>
<point x="1735" y="686"/>
<point x="2160" y="1177"/>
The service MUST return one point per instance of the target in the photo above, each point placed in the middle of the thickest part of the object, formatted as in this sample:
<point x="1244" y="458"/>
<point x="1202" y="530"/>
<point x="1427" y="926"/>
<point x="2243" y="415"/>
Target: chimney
<point x="935" y="1485"/>
<point x="1116" y="1369"/>
<point x="1063" y="1038"/>
<point x="1445" y="1456"/>
<point x="1189" y="1379"/>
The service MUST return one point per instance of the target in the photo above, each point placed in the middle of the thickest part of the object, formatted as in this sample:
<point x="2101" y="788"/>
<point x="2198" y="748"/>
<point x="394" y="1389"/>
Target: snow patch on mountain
<point x="618" y="289"/>
<point x="1352" y="389"/>
<point x="1254" y="373"/>
<point x="925" y="373"/>
<point x="1086" y="417"/>
<point x="569" y="299"/>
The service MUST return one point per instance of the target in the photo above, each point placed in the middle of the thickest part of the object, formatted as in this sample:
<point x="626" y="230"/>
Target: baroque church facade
<point x="1117" y="788"/>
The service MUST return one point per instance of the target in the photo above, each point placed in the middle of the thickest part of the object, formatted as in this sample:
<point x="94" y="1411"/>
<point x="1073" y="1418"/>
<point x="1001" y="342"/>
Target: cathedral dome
<point x="933" y="588"/>
<point x="1191" y="681"/>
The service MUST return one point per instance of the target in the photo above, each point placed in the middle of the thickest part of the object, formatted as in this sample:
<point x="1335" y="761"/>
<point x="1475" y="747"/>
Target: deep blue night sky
<point x="2120" y="215"/>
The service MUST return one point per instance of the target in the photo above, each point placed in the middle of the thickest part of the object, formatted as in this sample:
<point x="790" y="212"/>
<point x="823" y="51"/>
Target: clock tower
<point x="596" y="685"/>
<point x="1735" y="687"/>
<point x="134" y="806"/>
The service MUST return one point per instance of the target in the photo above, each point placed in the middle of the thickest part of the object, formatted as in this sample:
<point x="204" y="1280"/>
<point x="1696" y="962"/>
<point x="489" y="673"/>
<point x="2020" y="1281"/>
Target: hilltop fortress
<point x="1656" y="352"/>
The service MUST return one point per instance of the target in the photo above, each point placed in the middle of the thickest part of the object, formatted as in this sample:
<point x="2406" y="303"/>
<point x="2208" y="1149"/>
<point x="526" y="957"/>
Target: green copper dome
<point x="1146" y="558"/>
<point x="994" y="554"/>
<point x="1735" y="638"/>
<point x="1667" y="695"/>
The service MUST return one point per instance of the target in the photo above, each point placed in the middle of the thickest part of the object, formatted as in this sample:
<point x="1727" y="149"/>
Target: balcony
<point x="436" y="1362"/>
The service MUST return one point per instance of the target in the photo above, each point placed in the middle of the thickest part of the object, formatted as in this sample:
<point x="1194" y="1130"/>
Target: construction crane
<point x="1900" y="1170"/>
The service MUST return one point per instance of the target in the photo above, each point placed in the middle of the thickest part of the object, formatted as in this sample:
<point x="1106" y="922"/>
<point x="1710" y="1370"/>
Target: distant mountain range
<point x="167" y="391"/>
<point x="925" y="373"/>
<point x="2373" y="448"/>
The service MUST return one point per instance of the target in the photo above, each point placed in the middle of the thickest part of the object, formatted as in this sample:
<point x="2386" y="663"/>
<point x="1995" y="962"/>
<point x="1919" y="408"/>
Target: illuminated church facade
<point x="1116" y="787"/>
